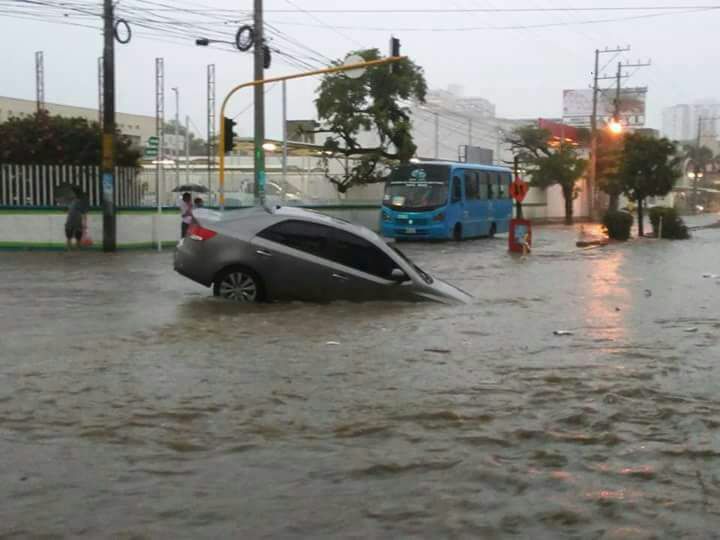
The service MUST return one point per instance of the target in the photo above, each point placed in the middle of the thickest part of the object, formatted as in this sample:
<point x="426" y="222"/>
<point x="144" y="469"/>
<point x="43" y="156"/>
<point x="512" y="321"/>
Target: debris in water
<point x="333" y="343"/>
<point x="438" y="351"/>
<point x="711" y="276"/>
<point x="691" y="330"/>
<point x="648" y="293"/>
<point x="563" y="333"/>
<point x="617" y="308"/>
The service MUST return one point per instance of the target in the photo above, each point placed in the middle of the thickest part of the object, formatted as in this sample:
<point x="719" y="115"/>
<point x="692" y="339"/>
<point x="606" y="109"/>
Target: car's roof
<point x="247" y="222"/>
<point x="317" y="217"/>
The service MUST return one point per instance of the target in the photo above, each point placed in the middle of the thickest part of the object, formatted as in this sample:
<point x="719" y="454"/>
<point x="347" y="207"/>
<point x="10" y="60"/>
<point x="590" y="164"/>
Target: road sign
<point x="151" y="152"/>
<point x="153" y="141"/>
<point x="519" y="189"/>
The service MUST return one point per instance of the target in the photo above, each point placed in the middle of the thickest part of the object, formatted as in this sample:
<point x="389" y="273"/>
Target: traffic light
<point x="267" y="57"/>
<point x="228" y="125"/>
<point x="394" y="46"/>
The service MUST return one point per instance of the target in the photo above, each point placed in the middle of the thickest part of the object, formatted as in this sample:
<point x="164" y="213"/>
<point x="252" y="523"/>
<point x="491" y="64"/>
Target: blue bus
<point x="446" y="200"/>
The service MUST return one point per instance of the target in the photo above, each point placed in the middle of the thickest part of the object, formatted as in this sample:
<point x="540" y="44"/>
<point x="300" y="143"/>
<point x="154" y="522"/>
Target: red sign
<point x="520" y="237"/>
<point x="519" y="189"/>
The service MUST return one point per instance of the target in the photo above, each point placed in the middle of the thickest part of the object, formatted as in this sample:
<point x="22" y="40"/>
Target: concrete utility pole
<point x="40" y="80"/>
<point x="437" y="135"/>
<point x="176" y="146"/>
<point x="210" y="125"/>
<point x="259" y="105"/>
<point x="160" y="134"/>
<point x="284" y="130"/>
<point x="100" y="91"/>
<point x="592" y="180"/>
<point x="187" y="149"/>
<point x="107" y="184"/>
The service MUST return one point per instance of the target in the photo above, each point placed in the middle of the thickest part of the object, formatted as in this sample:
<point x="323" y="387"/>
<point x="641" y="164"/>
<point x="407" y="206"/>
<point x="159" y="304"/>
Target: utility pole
<point x="160" y="134"/>
<point x="259" y="91"/>
<point x="616" y="113"/>
<point x="187" y="148"/>
<point x="176" y="145"/>
<point x="210" y="124"/>
<point x="100" y="91"/>
<point x="40" y="81"/>
<point x="284" y="130"/>
<point x="592" y="180"/>
<point x="437" y="135"/>
<point x="470" y="132"/>
<point x="108" y="134"/>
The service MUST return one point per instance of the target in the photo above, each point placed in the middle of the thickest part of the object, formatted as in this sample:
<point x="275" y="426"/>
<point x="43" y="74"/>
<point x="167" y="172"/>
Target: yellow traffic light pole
<point x="348" y="67"/>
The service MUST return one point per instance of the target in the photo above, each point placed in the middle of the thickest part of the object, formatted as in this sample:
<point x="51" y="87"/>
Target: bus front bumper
<point x="407" y="232"/>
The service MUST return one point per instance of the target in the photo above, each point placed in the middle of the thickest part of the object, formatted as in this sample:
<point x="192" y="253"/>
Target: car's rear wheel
<point x="239" y="285"/>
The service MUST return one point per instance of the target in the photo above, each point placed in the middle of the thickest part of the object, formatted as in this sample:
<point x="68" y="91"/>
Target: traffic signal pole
<point x="259" y="105"/>
<point x="259" y="83"/>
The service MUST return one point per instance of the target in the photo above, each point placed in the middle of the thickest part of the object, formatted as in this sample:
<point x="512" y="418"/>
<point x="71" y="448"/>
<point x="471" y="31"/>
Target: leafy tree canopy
<point x="649" y="166"/>
<point x="56" y="140"/>
<point x="354" y="110"/>
<point x="548" y="164"/>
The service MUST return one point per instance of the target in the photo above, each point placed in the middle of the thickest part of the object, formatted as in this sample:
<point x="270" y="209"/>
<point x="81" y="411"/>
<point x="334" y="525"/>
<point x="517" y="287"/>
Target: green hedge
<point x="673" y="226"/>
<point x="618" y="224"/>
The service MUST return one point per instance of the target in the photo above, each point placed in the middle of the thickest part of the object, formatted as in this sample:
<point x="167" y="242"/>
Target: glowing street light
<point x="269" y="147"/>
<point x="615" y="127"/>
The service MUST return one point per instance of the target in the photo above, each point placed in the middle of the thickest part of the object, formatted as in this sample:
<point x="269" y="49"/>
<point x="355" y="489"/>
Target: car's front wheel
<point x="239" y="285"/>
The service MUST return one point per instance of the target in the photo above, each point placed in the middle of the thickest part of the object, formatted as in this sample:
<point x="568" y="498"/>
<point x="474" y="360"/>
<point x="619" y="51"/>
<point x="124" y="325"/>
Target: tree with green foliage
<point x="649" y="168"/>
<point x="609" y="153"/>
<point x="549" y="164"/>
<point x="369" y="106"/>
<point x="55" y="140"/>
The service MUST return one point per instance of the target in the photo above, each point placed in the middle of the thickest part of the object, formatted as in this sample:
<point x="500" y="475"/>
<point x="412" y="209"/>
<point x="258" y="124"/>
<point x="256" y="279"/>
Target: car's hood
<point x="441" y="291"/>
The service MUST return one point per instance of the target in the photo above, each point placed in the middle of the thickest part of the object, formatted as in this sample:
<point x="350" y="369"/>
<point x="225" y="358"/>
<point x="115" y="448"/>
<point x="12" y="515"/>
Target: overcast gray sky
<point x="521" y="61"/>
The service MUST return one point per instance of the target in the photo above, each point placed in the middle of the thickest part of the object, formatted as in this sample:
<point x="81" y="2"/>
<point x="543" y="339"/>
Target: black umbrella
<point x="192" y="188"/>
<point x="65" y="193"/>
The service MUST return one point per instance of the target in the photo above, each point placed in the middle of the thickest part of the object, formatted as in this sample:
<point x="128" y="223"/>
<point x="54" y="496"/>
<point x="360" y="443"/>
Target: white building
<point x="680" y="122"/>
<point x="137" y="127"/>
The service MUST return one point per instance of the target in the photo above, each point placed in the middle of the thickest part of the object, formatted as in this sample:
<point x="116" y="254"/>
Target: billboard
<point x="577" y="106"/>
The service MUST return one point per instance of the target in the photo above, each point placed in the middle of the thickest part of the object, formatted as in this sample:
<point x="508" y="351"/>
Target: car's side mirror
<point x="399" y="276"/>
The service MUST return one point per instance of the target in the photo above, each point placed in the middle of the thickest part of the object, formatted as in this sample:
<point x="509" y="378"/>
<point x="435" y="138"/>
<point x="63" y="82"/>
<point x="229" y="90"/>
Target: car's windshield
<point x="417" y="187"/>
<point x="427" y="278"/>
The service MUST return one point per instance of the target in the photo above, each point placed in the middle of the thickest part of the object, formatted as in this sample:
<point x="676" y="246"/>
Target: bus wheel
<point x="493" y="230"/>
<point x="457" y="232"/>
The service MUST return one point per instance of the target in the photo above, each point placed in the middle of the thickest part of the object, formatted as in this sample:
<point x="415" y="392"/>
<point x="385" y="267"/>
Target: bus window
<point x="491" y="189"/>
<point x="457" y="190"/>
<point x="471" y="186"/>
<point x="507" y="180"/>
<point x="500" y="181"/>
<point x="483" y="186"/>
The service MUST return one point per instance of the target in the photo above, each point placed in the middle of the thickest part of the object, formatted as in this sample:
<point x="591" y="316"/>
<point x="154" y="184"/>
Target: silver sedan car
<point x="258" y="254"/>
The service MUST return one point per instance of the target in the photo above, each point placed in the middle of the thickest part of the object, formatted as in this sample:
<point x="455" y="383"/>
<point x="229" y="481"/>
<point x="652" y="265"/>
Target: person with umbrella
<point x="76" y="221"/>
<point x="186" y="213"/>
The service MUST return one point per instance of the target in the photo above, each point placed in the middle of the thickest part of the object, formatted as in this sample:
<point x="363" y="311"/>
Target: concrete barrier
<point x="34" y="228"/>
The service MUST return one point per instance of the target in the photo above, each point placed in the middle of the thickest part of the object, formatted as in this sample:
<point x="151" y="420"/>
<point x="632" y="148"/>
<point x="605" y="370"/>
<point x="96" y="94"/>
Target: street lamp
<point x="615" y="127"/>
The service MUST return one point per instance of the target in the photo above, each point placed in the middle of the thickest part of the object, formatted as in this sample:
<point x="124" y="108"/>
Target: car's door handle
<point x="340" y="277"/>
<point x="263" y="253"/>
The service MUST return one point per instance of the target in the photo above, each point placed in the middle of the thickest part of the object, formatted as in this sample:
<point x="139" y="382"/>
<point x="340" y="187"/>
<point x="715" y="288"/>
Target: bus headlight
<point x="439" y="217"/>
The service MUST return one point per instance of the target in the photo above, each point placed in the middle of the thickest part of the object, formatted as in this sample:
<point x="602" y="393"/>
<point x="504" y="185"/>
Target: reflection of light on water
<point x="604" y="295"/>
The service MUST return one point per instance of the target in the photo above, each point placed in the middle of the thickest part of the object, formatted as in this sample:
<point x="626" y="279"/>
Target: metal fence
<point x="35" y="185"/>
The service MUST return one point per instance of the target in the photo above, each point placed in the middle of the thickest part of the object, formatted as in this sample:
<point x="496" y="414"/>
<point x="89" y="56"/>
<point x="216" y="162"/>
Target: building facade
<point x="137" y="127"/>
<point x="680" y="122"/>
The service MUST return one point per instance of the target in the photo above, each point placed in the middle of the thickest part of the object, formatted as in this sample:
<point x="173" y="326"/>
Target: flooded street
<point x="135" y="405"/>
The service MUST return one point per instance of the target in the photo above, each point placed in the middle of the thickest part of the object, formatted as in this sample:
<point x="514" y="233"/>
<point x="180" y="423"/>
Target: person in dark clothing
<point x="186" y="214"/>
<point x="76" y="220"/>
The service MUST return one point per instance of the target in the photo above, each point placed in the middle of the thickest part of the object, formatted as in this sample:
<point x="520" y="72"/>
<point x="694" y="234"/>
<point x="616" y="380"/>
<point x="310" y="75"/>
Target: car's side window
<point x="311" y="238"/>
<point x="355" y="252"/>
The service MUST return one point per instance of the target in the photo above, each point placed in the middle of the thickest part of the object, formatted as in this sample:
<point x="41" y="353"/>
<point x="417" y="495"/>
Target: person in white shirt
<point x="186" y="214"/>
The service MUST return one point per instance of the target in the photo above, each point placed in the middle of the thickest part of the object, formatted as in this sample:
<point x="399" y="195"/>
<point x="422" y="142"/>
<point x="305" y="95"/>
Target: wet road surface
<point x="134" y="405"/>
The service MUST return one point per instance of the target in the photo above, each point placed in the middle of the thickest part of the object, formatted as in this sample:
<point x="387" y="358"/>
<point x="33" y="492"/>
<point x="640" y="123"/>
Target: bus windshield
<point x="417" y="187"/>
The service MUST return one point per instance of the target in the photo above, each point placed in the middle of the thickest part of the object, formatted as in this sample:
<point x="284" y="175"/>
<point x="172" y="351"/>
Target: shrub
<point x="618" y="224"/>
<point x="672" y="224"/>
